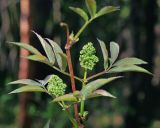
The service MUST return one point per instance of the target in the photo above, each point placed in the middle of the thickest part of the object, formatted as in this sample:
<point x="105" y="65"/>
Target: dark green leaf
<point x="80" y="12"/>
<point x="67" y="97"/>
<point x="129" y="61"/>
<point x="105" y="53"/>
<point x="114" y="49"/>
<point x="47" y="48"/>
<point x="59" y="54"/>
<point x="94" y="85"/>
<point x="27" y="47"/>
<point x="132" y="68"/>
<point x="99" y="93"/>
<point x="106" y="10"/>
<point x="92" y="7"/>
<point x="26" y="82"/>
<point x="28" y="88"/>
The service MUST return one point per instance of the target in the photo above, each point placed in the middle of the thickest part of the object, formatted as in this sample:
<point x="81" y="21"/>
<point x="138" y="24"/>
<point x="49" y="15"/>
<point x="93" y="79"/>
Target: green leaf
<point x="92" y="7"/>
<point x="45" y="81"/>
<point x="80" y="12"/>
<point x="26" y="82"/>
<point x="67" y="97"/>
<point x="114" y="50"/>
<point x="129" y="61"/>
<point x="28" y="88"/>
<point x="99" y="93"/>
<point x="60" y="56"/>
<point x="94" y="85"/>
<point x="106" y="10"/>
<point x="132" y="68"/>
<point x="47" y="124"/>
<point x="104" y="52"/>
<point x="39" y="58"/>
<point x="47" y="48"/>
<point x="27" y="47"/>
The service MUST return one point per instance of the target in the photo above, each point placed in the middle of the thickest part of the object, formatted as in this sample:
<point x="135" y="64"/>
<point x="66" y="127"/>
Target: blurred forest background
<point x="136" y="28"/>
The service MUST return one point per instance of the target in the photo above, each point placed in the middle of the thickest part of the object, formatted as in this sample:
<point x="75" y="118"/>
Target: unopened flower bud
<point x="56" y="87"/>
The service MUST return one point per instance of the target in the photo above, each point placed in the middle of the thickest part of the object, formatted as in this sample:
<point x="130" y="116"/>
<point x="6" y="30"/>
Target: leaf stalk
<point x="83" y="28"/>
<point x="82" y="100"/>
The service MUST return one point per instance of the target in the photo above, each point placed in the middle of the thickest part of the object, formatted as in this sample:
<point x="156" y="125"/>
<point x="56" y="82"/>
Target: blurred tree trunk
<point x="143" y="20"/>
<point x="24" y="120"/>
<point x="37" y="21"/>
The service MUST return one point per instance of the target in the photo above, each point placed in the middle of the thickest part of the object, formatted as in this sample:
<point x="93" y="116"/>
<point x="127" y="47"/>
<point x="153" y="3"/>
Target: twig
<point x="100" y="73"/>
<point x="96" y="75"/>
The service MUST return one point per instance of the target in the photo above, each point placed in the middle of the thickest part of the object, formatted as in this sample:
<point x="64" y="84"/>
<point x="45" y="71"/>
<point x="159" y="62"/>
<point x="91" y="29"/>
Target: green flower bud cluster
<point x="87" y="58"/>
<point x="56" y="87"/>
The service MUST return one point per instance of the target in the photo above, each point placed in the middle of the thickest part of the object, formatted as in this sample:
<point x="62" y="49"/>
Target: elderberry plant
<point x="54" y="57"/>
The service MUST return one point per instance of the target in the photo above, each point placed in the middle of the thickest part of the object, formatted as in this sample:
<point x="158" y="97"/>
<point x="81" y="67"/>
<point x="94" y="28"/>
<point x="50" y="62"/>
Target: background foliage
<point x="136" y="29"/>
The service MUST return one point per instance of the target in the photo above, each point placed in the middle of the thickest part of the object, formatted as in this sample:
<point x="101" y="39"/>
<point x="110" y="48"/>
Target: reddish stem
<point x="71" y="71"/>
